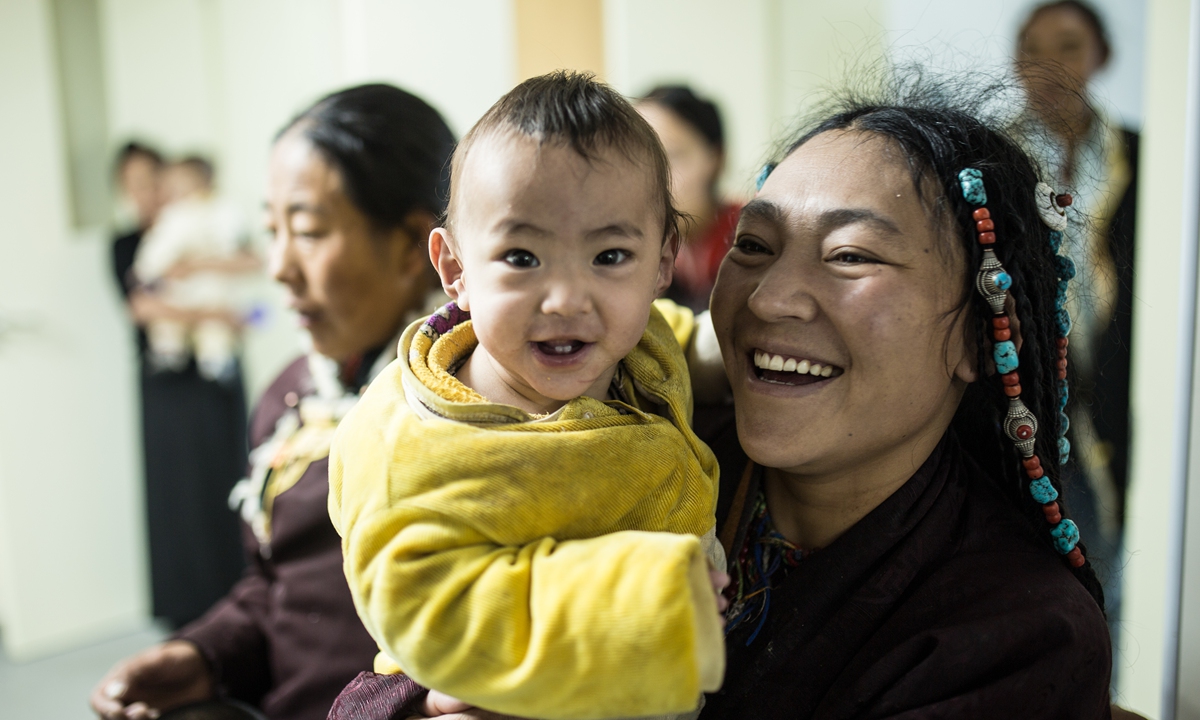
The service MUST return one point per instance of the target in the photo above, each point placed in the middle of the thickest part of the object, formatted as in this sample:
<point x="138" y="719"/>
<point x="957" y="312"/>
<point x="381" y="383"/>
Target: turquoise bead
<point x="1003" y="280"/>
<point x="1065" y="267"/>
<point x="1043" y="491"/>
<point x="1066" y="536"/>
<point x="1064" y="450"/>
<point x="763" y="175"/>
<point x="1064" y="423"/>
<point x="1064" y="322"/>
<point x="1005" y="355"/>
<point x="971" y="181"/>
<point x="1056" y="239"/>
<point x="1063" y="395"/>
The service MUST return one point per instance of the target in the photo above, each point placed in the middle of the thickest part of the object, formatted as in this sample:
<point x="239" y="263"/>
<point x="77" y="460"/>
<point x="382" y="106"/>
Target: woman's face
<point x="837" y="264"/>
<point x="695" y="164"/>
<point x="350" y="283"/>
<point x="1057" y="56"/>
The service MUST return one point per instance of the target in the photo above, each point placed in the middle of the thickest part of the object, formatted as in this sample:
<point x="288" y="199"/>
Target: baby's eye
<point x="521" y="259"/>
<point x="614" y="256"/>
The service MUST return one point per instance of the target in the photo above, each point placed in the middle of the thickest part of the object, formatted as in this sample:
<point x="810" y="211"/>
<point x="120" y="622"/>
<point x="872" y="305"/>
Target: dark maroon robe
<point x="287" y="637"/>
<point x="941" y="603"/>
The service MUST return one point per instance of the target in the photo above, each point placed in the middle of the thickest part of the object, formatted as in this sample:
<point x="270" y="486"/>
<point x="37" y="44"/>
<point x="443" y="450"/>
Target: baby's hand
<point x="437" y="703"/>
<point x="719" y="582"/>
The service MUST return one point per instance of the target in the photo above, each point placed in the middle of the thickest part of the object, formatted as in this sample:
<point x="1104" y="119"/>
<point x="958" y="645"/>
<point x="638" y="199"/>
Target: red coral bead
<point x="1000" y="321"/>
<point x="1032" y="462"/>
<point x="981" y="214"/>
<point x="1062" y="374"/>
<point x="1035" y="473"/>
<point x="1012" y="390"/>
<point x="985" y="225"/>
<point x="1001" y="334"/>
<point x="1064" y="200"/>
<point x="1052" y="513"/>
<point x="1062" y="364"/>
<point x="1024" y="432"/>
<point x="1011" y="378"/>
<point x="1062" y="342"/>
<point x="1062" y="352"/>
<point x="987" y="238"/>
<point x="1075" y="558"/>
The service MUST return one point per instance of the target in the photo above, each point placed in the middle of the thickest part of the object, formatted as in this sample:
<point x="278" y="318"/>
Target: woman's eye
<point x="612" y="257"/>
<point x="750" y="244"/>
<point x="847" y="257"/>
<point x="521" y="259"/>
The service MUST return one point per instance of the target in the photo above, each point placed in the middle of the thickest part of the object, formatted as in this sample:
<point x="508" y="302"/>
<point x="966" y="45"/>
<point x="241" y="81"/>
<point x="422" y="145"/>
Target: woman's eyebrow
<point x="763" y="211"/>
<point x="833" y="219"/>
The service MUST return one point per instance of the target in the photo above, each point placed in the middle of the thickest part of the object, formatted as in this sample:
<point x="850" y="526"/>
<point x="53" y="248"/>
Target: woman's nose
<point x="783" y="293"/>
<point x="281" y="260"/>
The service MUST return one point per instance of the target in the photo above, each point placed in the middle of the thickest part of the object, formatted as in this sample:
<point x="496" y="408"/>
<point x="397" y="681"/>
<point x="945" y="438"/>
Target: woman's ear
<point x="449" y="267"/>
<point x="666" y="264"/>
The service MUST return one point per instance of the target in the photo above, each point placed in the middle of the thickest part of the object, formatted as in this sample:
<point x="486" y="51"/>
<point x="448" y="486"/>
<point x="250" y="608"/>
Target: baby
<point x="527" y="517"/>
<point x="198" y="231"/>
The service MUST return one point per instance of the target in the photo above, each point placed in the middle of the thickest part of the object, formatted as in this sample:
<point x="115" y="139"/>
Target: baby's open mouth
<point x="560" y="348"/>
<point x="784" y="370"/>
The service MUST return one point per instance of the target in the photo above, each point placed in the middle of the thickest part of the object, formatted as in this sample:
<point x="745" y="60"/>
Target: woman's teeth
<point x="767" y="361"/>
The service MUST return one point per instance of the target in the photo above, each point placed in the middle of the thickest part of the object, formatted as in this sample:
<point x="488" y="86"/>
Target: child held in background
<point x="195" y="258"/>
<point x="527" y="517"/>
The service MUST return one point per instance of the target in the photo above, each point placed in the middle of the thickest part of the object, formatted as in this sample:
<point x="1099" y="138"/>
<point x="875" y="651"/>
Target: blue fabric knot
<point x="763" y="175"/>
<point x="1005" y="355"/>
<point x="1066" y="536"/>
<point x="1043" y="491"/>
<point x="1065" y="267"/>
<point x="1064" y="450"/>
<point x="1064" y="322"/>
<point x="1056" y="239"/>
<point x="1002" y="281"/>
<point x="971" y="181"/>
<point x="1063" y="394"/>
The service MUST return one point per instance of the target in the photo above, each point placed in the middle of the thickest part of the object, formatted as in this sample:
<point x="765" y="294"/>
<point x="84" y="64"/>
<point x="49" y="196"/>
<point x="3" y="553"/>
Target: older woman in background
<point x="355" y="185"/>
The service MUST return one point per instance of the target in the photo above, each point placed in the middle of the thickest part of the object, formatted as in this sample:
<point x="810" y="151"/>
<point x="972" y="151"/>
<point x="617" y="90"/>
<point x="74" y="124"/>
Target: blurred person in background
<point x="193" y="431"/>
<point x="355" y="185"/>
<point x="196" y="258"/>
<point x="1060" y="47"/>
<point x="692" y="134"/>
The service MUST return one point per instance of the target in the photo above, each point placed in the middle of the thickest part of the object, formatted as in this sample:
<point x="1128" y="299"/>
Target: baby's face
<point x="561" y="259"/>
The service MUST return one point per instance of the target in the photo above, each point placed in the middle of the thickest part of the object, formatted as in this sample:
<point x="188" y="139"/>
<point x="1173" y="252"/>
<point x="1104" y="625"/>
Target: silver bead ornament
<point x="1017" y="416"/>
<point x="987" y="282"/>
<point x="1054" y="216"/>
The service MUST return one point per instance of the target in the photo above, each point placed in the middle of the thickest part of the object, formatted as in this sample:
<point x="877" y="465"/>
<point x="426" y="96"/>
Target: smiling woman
<point x="893" y="331"/>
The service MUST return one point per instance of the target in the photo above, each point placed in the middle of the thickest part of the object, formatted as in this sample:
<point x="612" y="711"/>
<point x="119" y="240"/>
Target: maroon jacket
<point x="287" y="638"/>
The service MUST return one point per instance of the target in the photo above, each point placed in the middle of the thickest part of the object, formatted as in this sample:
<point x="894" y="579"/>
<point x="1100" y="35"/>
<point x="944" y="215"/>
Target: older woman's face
<point x="839" y="284"/>
<point x="1057" y="55"/>
<point x="350" y="286"/>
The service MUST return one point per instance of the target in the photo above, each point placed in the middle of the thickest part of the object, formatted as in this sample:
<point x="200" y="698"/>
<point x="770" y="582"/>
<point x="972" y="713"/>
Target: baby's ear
<point x="449" y="268"/>
<point x="666" y="263"/>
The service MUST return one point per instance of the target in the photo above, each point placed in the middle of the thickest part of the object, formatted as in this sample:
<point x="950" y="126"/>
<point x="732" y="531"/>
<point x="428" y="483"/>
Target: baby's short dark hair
<point x="574" y="109"/>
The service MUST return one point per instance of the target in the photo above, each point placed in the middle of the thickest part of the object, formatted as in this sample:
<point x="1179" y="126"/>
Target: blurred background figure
<point x="1060" y="47"/>
<point x="194" y="257"/>
<point x="193" y="426"/>
<point x="692" y="134"/>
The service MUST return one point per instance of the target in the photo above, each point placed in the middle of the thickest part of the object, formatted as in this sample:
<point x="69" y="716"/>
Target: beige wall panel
<point x="554" y="34"/>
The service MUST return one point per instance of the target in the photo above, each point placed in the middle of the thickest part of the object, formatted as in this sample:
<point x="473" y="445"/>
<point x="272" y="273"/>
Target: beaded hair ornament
<point x="993" y="283"/>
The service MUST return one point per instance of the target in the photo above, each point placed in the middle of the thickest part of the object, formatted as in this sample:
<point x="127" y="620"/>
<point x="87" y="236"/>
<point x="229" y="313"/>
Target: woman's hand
<point x="141" y="687"/>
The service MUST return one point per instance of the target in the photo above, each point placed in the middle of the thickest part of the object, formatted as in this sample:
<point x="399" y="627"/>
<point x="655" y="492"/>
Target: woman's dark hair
<point x="698" y="112"/>
<point x="939" y="130"/>
<point x="1086" y="11"/>
<point x="133" y="149"/>
<point x="390" y="147"/>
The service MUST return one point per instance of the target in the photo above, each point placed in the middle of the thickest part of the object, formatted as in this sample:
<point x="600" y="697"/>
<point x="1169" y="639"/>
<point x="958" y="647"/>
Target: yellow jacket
<point x="546" y="567"/>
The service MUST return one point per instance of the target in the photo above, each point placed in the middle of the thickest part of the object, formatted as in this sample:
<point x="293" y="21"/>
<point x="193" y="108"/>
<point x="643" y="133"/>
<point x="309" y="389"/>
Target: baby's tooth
<point x="815" y="369"/>
<point x="790" y="365"/>
<point x="776" y="362"/>
<point x="827" y="371"/>
<point x="802" y="367"/>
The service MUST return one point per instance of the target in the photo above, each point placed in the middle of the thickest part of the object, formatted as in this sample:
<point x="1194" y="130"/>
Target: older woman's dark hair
<point x="939" y="129"/>
<point x="390" y="147"/>
<point x="700" y="113"/>
<point x="134" y="149"/>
